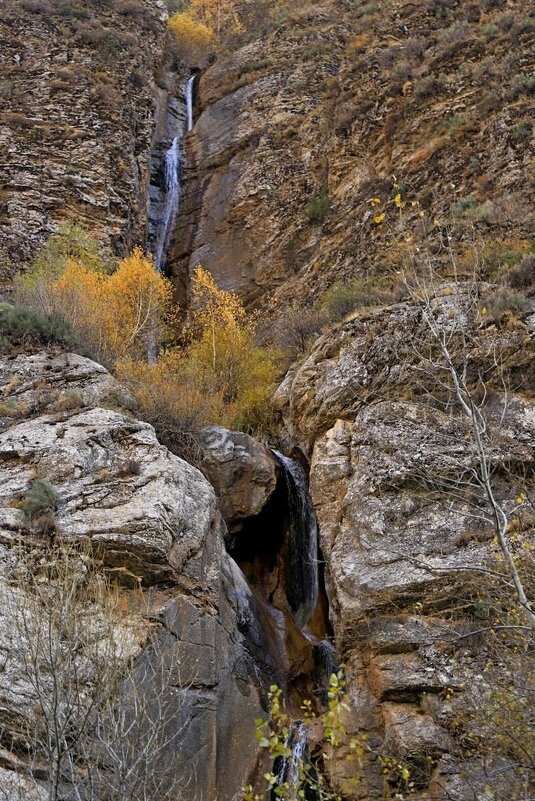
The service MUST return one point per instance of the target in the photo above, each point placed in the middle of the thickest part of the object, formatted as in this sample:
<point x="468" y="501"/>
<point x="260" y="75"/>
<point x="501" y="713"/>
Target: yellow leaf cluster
<point x="221" y="376"/>
<point x="193" y="37"/>
<point x="114" y="315"/>
<point x="197" y="29"/>
<point x="218" y="15"/>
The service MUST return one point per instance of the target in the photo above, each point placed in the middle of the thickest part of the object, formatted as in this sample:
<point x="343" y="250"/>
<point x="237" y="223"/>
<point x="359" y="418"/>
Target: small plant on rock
<point x="301" y="762"/>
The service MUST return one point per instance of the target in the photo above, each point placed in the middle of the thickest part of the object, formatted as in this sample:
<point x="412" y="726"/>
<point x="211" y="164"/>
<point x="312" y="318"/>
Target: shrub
<point x="41" y="499"/>
<point x="430" y="86"/>
<point x="20" y="326"/>
<point x="469" y="207"/>
<point x="318" y="207"/>
<point x="130" y="467"/>
<point x="521" y="131"/>
<point x="37" y="6"/>
<point x="114" y="315"/>
<point x="523" y="84"/>
<point x="503" y="303"/>
<point x="297" y="330"/>
<point x="522" y="276"/>
<point x="343" y="297"/>
<point x="499" y="255"/>
<point x="490" y="30"/>
<point x="71" y="241"/>
<point x="454" y="124"/>
<point x="305" y="773"/>
<point x="70" y="9"/>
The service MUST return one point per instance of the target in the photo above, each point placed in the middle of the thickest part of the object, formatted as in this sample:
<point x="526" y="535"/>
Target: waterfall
<point x="171" y="194"/>
<point x="325" y="664"/>
<point x="290" y="767"/>
<point x="301" y="563"/>
<point x="166" y="182"/>
<point x="165" y="187"/>
<point x="189" y="102"/>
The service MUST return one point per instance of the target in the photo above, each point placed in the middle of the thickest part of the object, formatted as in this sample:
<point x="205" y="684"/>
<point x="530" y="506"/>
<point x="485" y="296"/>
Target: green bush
<point x="504" y="303"/>
<point x="24" y="327"/>
<point x="318" y="207"/>
<point x="521" y="131"/>
<point x="498" y="256"/>
<point x="42" y="499"/>
<point x="521" y="277"/>
<point x="344" y="297"/>
<point x="429" y="86"/>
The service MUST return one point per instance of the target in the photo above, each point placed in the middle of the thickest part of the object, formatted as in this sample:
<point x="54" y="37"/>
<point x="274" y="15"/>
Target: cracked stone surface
<point x="400" y="551"/>
<point x="153" y="521"/>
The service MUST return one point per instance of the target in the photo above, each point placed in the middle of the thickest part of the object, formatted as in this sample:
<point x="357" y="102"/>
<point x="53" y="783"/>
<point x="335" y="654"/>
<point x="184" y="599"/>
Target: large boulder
<point x="241" y="470"/>
<point x="153" y="522"/>
<point x="404" y="535"/>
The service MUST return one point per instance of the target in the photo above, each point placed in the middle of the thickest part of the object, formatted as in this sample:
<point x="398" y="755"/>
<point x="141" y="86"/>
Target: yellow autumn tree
<point x="220" y="16"/>
<point x="214" y="311"/>
<point x="221" y="376"/>
<point x="199" y="27"/>
<point x="114" y="315"/>
<point x="193" y="38"/>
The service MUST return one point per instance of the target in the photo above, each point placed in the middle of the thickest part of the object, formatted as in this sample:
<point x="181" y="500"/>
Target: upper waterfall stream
<point x="166" y="175"/>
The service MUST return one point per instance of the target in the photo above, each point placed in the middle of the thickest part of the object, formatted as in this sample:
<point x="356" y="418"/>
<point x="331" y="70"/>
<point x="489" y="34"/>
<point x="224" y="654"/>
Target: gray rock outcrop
<point x="152" y="520"/>
<point x="403" y="531"/>
<point x="241" y="470"/>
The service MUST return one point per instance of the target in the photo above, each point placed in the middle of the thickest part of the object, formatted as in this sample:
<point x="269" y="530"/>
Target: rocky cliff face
<point x="153" y="521"/>
<point x="338" y="103"/>
<point x="406" y="544"/>
<point x="80" y="90"/>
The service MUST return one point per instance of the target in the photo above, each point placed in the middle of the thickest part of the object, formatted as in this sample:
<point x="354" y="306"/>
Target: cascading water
<point x="171" y="196"/>
<point x="166" y="180"/>
<point x="325" y="664"/>
<point x="189" y="103"/>
<point x="283" y="613"/>
<point x="301" y="563"/>
<point x="290" y="767"/>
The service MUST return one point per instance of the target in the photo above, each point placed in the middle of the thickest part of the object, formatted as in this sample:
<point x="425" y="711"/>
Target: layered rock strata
<point x="153" y="522"/>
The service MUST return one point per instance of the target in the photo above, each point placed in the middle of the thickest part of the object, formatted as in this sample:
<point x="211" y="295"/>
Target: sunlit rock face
<point x="402" y="536"/>
<point x="153" y="522"/>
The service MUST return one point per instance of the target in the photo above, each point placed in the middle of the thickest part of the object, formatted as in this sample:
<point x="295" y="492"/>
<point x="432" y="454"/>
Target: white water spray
<point x="290" y="768"/>
<point x="189" y="103"/>
<point x="171" y="192"/>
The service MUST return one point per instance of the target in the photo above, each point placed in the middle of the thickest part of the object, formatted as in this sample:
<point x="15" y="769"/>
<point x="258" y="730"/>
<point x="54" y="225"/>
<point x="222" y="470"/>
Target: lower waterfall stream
<point x="287" y="621"/>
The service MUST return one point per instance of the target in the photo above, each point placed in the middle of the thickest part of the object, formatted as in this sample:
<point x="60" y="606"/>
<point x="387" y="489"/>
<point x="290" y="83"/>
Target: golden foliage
<point x="114" y="315"/>
<point x="221" y="376"/>
<point x="193" y="38"/>
<point x="220" y="16"/>
<point x="197" y="29"/>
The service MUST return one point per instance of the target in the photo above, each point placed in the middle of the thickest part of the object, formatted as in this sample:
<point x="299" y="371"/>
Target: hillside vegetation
<point x="343" y="106"/>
